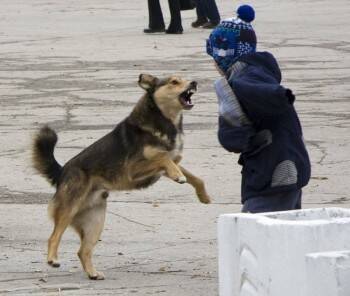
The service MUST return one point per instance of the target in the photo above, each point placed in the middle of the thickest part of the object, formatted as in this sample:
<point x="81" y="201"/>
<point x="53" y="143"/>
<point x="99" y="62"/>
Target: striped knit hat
<point x="233" y="38"/>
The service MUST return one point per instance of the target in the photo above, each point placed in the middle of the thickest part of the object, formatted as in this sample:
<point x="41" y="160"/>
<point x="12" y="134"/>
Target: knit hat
<point x="233" y="38"/>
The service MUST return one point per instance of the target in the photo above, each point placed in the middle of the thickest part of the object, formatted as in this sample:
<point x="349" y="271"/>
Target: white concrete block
<point x="264" y="254"/>
<point x="328" y="273"/>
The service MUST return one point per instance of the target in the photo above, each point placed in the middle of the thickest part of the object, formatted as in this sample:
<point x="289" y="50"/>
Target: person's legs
<point x="201" y="14"/>
<point x="285" y="201"/>
<point x="156" y="21"/>
<point x="212" y="13"/>
<point x="175" y="26"/>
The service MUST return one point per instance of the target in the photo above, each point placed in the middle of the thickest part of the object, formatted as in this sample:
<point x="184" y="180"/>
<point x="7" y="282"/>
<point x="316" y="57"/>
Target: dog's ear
<point x="147" y="82"/>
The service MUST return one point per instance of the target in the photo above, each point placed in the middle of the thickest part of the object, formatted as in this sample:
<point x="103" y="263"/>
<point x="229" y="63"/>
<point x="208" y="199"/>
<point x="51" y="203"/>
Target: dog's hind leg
<point x="89" y="225"/>
<point x="64" y="206"/>
<point x="61" y="219"/>
<point x="198" y="185"/>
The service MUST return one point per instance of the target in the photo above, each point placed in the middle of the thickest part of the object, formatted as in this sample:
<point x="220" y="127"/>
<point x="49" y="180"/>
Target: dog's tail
<point x="43" y="159"/>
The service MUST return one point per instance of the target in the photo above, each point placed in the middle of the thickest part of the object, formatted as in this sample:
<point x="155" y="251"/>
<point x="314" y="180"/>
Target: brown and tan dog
<point x="143" y="147"/>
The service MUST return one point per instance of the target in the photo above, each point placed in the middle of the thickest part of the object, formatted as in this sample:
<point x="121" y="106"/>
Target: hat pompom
<point x="246" y="13"/>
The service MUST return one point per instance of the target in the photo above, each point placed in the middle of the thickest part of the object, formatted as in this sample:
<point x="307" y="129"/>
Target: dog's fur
<point x="141" y="148"/>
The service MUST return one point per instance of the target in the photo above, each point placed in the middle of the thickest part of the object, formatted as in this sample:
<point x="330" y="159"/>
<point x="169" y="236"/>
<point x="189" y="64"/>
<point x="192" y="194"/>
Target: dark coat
<point x="273" y="154"/>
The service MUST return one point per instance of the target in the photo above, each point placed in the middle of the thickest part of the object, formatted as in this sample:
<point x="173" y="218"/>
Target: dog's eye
<point x="174" y="82"/>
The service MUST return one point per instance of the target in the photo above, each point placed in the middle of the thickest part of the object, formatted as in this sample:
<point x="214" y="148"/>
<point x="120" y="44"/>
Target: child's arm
<point x="229" y="107"/>
<point x="235" y="129"/>
<point x="235" y="138"/>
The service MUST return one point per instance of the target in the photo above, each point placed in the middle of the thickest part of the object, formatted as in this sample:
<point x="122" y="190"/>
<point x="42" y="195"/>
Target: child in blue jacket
<point x="257" y="118"/>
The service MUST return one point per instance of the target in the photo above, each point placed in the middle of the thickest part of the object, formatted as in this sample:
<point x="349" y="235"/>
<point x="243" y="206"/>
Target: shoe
<point x="199" y="22"/>
<point x="209" y="25"/>
<point x="172" y="31"/>
<point x="149" y="30"/>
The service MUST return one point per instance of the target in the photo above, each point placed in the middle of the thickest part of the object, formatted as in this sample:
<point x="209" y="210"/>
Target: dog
<point x="134" y="155"/>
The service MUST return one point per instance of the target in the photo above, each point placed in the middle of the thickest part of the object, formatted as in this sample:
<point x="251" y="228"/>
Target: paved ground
<point x="74" y="64"/>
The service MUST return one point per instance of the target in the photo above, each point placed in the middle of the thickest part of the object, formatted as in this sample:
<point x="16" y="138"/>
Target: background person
<point x="208" y="16"/>
<point x="156" y="20"/>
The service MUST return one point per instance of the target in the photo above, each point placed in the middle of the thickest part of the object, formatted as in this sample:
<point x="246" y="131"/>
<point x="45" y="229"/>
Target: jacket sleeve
<point x="234" y="139"/>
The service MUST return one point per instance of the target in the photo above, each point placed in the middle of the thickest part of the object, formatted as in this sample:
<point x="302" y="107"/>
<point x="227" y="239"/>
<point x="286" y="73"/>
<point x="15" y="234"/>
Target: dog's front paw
<point x="204" y="198"/>
<point x="181" y="180"/>
<point x="54" y="263"/>
<point x="97" y="276"/>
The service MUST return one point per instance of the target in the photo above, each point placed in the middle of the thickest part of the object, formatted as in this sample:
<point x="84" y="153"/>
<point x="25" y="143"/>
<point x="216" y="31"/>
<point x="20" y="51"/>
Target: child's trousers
<point x="285" y="201"/>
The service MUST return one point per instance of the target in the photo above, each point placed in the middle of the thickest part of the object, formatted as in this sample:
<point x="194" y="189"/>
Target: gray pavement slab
<point x="74" y="65"/>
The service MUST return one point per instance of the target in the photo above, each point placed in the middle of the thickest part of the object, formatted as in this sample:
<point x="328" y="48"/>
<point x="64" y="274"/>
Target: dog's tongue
<point x="185" y="99"/>
<point x="187" y="103"/>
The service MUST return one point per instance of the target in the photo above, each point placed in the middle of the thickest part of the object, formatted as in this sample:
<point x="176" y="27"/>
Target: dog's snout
<point x="194" y="84"/>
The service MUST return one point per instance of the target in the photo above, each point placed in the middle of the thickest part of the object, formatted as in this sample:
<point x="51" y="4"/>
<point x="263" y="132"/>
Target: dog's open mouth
<point x="185" y="98"/>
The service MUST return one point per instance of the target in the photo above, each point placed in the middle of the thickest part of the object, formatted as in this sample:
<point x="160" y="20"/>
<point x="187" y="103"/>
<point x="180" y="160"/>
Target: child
<point x="257" y="118"/>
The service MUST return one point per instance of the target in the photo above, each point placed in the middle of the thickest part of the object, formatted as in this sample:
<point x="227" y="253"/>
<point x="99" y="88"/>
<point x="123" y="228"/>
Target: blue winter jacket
<point x="273" y="154"/>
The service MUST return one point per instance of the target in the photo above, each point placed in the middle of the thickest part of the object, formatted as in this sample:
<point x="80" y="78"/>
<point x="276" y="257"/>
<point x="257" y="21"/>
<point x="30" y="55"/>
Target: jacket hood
<point x="258" y="87"/>
<point x="265" y="60"/>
